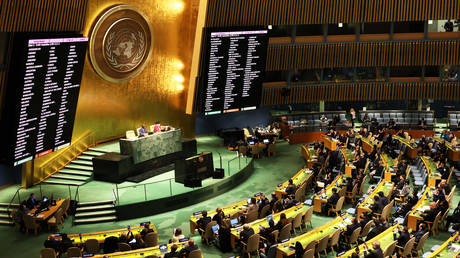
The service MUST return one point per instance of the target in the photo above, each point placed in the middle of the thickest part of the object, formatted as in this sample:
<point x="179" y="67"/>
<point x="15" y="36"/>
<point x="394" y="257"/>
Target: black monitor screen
<point x="235" y="68"/>
<point x="42" y="94"/>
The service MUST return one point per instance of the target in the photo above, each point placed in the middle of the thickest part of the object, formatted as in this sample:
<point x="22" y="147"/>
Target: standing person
<point x="449" y="26"/>
<point x="353" y="116"/>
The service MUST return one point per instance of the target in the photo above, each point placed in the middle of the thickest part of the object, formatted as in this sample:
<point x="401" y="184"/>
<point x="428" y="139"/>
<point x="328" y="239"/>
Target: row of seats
<point x="454" y="119"/>
<point x="401" y="118"/>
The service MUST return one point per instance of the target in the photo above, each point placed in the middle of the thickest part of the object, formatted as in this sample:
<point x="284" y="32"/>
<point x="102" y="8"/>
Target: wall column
<point x="321" y="106"/>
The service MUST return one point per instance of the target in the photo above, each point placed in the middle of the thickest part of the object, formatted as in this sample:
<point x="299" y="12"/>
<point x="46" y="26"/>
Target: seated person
<point x="32" y="202"/>
<point x="379" y="227"/>
<point x="203" y="221"/>
<point x="438" y="195"/>
<point x="177" y="235"/>
<point x="378" y="171"/>
<point x="137" y="242"/>
<point x="376" y="207"/>
<point x="123" y="238"/>
<point x="18" y="218"/>
<point x="53" y="243"/>
<point x="262" y="202"/>
<point x="282" y="222"/>
<point x="332" y="201"/>
<point x="246" y="233"/>
<point x="376" y="251"/>
<point x="291" y="188"/>
<point x="173" y="253"/>
<point x="289" y="202"/>
<point x="352" y="227"/>
<point x="265" y="232"/>
<point x="419" y="233"/>
<point x="157" y="127"/>
<point x="143" y="131"/>
<point x="144" y="231"/>
<point x="444" y="186"/>
<point x="403" y="236"/>
<point x="430" y="215"/>
<point x="185" y="251"/>
<point x="382" y="198"/>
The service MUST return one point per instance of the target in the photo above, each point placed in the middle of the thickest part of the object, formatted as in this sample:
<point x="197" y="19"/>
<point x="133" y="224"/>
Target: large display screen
<point x="234" y="70"/>
<point x="44" y="90"/>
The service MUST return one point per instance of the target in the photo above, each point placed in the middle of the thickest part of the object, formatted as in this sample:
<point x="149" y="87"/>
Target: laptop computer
<point x="234" y="223"/>
<point x="266" y="141"/>
<point x="215" y="229"/>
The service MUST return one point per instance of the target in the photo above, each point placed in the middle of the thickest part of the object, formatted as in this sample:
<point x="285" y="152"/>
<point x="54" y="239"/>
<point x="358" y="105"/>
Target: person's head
<point x="404" y="229"/>
<point x="246" y="226"/>
<point x="219" y="210"/>
<point x="334" y="190"/>
<point x="291" y="182"/>
<point x="271" y="223"/>
<point x="421" y="226"/>
<point x="51" y="237"/>
<point x="32" y="196"/>
<point x="178" y="232"/>
<point x="283" y="216"/>
<point x="173" y="248"/>
<point x="143" y="126"/>
<point x="376" y="198"/>
<point x="157" y="122"/>
<point x="123" y="236"/>
<point x="204" y="213"/>
<point x="147" y="225"/>
<point x="381" y="195"/>
<point x="253" y="200"/>
<point x="432" y="205"/>
<point x="376" y="245"/>
<point x="191" y="242"/>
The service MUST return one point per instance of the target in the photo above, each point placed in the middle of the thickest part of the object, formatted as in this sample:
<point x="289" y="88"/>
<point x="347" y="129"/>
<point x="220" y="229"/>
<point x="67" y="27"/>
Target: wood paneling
<point x="42" y="15"/>
<point x="362" y="91"/>
<point x="363" y="54"/>
<point x="222" y="13"/>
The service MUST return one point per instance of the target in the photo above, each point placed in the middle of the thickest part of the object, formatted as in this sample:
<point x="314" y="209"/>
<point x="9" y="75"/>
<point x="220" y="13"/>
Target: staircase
<point x="5" y="214"/>
<point x="95" y="212"/>
<point x="77" y="172"/>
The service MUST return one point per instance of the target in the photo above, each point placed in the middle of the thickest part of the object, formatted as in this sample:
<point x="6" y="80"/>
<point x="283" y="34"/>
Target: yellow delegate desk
<point x="298" y="179"/>
<point x="329" y="143"/>
<point x="348" y="157"/>
<point x="143" y="252"/>
<point x="411" y="148"/>
<point x="385" y="187"/>
<point x="228" y="210"/>
<point x="422" y="205"/>
<point x="288" y="248"/>
<point x="255" y="225"/>
<point x="385" y="239"/>
<point x="453" y="153"/>
<point x="432" y="170"/>
<point x="388" y="162"/>
<point x="80" y="239"/>
<point x="445" y="251"/>
<point x="368" y="146"/>
<point x="309" y="155"/>
<point x="319" y="200"/>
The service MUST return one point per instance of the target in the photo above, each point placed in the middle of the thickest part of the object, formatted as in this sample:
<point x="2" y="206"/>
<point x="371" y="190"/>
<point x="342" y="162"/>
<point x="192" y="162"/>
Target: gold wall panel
<point x="223" y="13"/>
<point x="382" y="54"/>
<point x="362" y="91"/>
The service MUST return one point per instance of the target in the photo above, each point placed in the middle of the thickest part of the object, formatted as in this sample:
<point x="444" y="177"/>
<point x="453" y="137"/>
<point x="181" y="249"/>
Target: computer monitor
<point x="183" y="240"/>
<point x="269" y="217"/>
<point x="215" y="229"/>
<point x="45" y="199"/>
<point x="266" y="141"/>
<point x="251" y="143"/>
<point x="234" y="221"/>
<point x="163" y="248"/>
<point x="132" y="241"/>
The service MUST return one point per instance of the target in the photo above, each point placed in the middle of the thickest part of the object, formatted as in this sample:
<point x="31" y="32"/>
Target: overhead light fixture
<point x="430" y="21"/>
<point x="270" y="27"/>
<point x="340" y="25"/>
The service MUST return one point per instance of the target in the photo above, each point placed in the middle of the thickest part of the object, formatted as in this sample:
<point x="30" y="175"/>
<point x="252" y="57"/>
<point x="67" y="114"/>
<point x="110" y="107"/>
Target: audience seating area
<point x="454" y="119"/>
<point x="304" y="122"/>
<point x="403" y="118"/>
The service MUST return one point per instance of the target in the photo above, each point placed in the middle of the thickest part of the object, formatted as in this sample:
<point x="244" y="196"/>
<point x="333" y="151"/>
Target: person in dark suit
<point x="376" y="207"/>
<point x="443" y="170"/>
<point x="291" y="188"/>
<point x="31" y="202"/>
<point x="282" y="222"/>
<point x="376" y="251"/>
<point x="352" y="227"/>
<point x="246" y="233"/>
<point x="430" y="215"/>
<point x="383" y="199"/>
<point x="262" y="202"/>
<point x="173" y="253"/>
<point x="185" y="251"/>
<point x="265" y="232"/>
<point x="332" y="200"/>
<point x="379" y="227"/>
<point x="219" y="216"/>
<point x="138" y="244"/>
<point x="52" y="242"/>
<point x="403" y="236"/>
<point x="203" y="221"/>
<point x="420" y="232"/>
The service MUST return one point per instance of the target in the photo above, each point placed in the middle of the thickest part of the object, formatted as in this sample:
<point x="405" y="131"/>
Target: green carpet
<point x="268" y="173"/>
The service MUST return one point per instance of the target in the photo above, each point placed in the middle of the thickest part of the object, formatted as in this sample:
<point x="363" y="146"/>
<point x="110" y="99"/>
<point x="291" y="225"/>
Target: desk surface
<point x="385" y="238"/>
<point x="405" y="142"/>
<point x="102" y="235"/>
<point x="288" y="248"/>
<point x="44" y="215"/>
<point x="298" y="179"/>
<point x="142" y="252"/>
<point x="444" y="251"/>
<point x="385" y="187"/>
<point x="337" y="183"/>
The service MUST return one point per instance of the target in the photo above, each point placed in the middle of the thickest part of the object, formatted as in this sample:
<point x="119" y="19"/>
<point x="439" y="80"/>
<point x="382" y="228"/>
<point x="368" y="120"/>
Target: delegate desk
<point x="298" y="179"/>
<point x="368" y="146"/>
<point x="46" y="214"/>
<point x="433" y="175"/>
<point x="228" y="210"/>
<point x="348" y="158"/>
<point x="329" y="142"/>
<point x="453" y="152"/>
<point x="411" y="150"/>
<point x="309" y="155"/>
<point x="422" y="205"/>
<point x="385" y="239"/>
<point x="152" y="146"/>
<point x="445" y="251"/>
<point x="385" y="187"/>
<point x="144" y="252"/>
<point x="255" y="225"/>
<point x="80" y="239"/>
<point x="288" y="248"/>
<point x="319" y="200"/>
<point x="389" y="164"/>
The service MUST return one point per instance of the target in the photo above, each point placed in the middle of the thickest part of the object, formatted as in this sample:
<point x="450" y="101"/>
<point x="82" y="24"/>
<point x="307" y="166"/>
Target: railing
<point x="66" y="156"/>
<point x="12" y="200"/>
<point x="165" y="187"/>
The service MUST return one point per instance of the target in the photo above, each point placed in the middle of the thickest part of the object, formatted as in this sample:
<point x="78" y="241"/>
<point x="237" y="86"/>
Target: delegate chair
<point x="322" y="245"/>
<point x="30" y="224"/>
<point x="47" y="253"/>
<point x="252" y="246"/>
<point x="130" y="135"/>
<point x="242" y="150"/>
<point x="388" y="252"/>
<point x="308" y="217"/>
<point x="421" y="243"/>
<point x="195" y="254"/>
<point x="407" y="249"/>
<point x="252" y="216"/>
<point x="271" y="150"/>
<point x="285" y="232"/>
<point x="66" y="206"/>
<point x="334" y="241"/>
<point x="151" y="239"/>
<point x="264" y="212"/>
<point x="73" y="252"/>
<point x="297" y="222"/>
<point x="57" y="220"/>
<point x="309" y="254"/>
<point x="366" y="230"/>
<point x="255" y="151"/>
<point x="92" y="246"/>
<point x="354" y="237"/>
<point x="433" y="226"/>
<point x="311" y="246"/>
<point x="208" y="234"/>
<point x="338" y="207"/>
